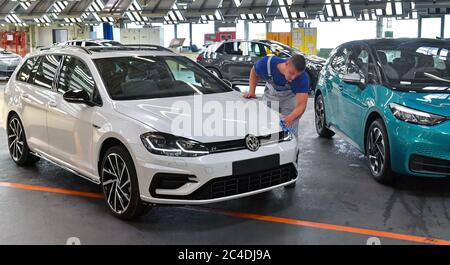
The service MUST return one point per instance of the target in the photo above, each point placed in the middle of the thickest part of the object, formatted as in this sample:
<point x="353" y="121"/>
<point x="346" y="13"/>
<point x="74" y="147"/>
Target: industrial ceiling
<point x="46" y="12"/>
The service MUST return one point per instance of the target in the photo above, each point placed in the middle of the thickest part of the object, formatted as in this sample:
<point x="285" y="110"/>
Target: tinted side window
<point x="338" y="62"/>
<point x="257" y="50"/>
<point x="233" y="48"/>
<point x="75" y="75"/>
<point x="88" y="44"/>
<point x="25" y="71"/>
<point x="45" y="72"/>
<point x="218" y="50"/>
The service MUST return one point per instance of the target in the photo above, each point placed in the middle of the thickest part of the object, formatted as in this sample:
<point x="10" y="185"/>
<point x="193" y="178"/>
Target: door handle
<point x="25" y="95"/>
<point x="52" y="104"/>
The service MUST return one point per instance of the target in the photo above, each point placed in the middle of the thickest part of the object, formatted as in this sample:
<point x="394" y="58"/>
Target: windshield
<point x="146" y="77"/>
<point x="416" y="65"/>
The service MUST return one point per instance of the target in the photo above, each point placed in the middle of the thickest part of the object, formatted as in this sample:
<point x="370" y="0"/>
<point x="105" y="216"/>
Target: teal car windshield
<point x="422" y="66"/>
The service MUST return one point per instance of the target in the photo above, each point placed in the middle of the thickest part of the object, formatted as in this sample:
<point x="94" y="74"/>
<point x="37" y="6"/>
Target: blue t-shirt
<point x="298" y="85"/>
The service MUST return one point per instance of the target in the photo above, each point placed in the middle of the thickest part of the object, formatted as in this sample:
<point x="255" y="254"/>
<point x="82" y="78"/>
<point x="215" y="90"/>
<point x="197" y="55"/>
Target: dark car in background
<point x="8" y="63"/>
<point x="233" y="59"/>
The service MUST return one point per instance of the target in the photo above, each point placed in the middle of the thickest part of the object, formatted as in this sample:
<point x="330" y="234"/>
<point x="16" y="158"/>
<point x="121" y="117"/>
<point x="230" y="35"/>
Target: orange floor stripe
<point x="274" y="219"/>
<point x="325" y="226"/>
<point x="52" y="190"/>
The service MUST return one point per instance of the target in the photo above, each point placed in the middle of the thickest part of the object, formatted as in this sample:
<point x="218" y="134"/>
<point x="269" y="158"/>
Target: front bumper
<point x="212" y="175"/>
<point x="419" y="150"/>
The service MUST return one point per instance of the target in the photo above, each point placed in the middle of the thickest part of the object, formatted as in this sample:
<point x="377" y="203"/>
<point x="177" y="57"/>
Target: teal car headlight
<point x="169" y="145"/>
<point x="415" y="116"/>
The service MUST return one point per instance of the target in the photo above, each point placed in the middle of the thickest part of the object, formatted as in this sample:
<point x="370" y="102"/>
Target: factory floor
<point x="335" y="202"/>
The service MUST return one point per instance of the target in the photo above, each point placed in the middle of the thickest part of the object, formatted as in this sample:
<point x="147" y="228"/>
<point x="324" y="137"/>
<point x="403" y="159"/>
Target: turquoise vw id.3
<point x="391" y="99"/>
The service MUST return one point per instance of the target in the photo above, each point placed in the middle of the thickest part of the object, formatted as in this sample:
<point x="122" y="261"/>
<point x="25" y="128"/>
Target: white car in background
<point x="104" y="114"/>
<point x="8" y="63"/>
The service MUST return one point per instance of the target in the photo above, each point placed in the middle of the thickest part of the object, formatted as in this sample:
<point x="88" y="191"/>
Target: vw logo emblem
<point x="252" y="143"/>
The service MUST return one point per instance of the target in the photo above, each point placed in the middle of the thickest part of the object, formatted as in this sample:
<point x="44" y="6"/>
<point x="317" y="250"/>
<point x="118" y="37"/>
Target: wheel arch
<point x="107" y="143"/>
<point x="371" y="117"/>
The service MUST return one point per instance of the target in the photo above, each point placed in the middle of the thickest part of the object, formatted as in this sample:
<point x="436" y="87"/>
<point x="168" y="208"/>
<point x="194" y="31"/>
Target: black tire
<point x="119" y="182"/>
<point x="17" y="143"/>
<point x="320" y="118"/>
<point x="378" y="152"/>
<point x="215" y="72"/>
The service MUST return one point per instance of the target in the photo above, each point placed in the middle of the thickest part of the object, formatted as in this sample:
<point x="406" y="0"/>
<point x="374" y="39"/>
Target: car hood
<point x="164" y="114"/>
<point x="437" y="103"/>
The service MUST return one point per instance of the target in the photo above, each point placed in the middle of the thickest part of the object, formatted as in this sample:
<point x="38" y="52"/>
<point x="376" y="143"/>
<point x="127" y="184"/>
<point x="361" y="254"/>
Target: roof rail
<point x="65" y="47"/>
<point x="150" y="46"/>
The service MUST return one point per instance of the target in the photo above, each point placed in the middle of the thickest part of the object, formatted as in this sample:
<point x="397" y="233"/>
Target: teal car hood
<point x="437" y="103"/>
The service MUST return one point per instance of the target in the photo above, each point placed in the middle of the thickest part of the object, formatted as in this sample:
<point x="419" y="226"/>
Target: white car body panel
<point x="71" y="135"/>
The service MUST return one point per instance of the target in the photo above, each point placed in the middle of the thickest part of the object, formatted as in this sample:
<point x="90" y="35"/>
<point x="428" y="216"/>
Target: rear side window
<point x="75" y="75"/>
<point x="90" y="44"/>
<point x="234" y="48"/>
<point x="25" y="70"/>
<point x="45" y="71"/>
<point x="217" y="49"/>
<point x="339" y="61"/>
<point x="256" y="49"/>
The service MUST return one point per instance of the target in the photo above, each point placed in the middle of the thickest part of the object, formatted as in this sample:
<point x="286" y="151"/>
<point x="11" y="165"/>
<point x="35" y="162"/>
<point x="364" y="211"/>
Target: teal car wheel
<point x="378" y="152"/>
<point x="320" y="121"/>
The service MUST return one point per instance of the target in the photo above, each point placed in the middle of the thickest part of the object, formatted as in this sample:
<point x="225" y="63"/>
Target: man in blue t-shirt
<point x="286" y="82"/>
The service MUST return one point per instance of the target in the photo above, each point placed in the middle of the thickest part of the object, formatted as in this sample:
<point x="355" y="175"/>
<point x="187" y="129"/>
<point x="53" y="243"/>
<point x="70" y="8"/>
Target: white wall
<point x="332" y="34"/>
<point x="240" y="30"/>
<point x="431" y="27"/>
<point x="257" y="30"/>
<point x="199" y="31"/>
<point x="279" y="25"/>
<point x="447" y="27"/>
<point x="169" y="34"/>
<point x="44" y="35"/>
<point x="402" y="28"/>
<point x="183" y="32"/>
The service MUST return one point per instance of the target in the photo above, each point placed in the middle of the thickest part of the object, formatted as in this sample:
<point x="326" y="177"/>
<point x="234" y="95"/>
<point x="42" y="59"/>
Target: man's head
<point x="294" y="67"/>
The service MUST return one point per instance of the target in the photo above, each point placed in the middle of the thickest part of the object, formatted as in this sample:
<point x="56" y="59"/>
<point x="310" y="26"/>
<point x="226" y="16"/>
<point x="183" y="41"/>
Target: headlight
<point x="170" y="145"/>
<point x="414" y="116"/>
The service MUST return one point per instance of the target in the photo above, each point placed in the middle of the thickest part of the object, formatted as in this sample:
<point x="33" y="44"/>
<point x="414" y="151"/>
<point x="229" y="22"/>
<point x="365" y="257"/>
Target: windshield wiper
<point x="436" y="77"/>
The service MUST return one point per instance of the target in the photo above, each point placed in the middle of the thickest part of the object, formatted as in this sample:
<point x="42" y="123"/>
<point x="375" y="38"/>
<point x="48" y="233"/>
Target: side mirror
<point x="228" y="82"/>
<point x="354" y="78"/>
<point x="77" y="96"/>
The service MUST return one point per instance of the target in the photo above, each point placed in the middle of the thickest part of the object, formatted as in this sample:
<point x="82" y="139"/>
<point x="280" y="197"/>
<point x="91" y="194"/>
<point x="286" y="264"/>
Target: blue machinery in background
<point x="107" y="31"/>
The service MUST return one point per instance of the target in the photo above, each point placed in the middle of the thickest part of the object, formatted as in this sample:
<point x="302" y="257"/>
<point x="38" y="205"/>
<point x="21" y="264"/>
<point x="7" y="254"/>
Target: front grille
<point x="239" y="144"/>
<point x="424" y="164"/>
<point x="233" y="185"/>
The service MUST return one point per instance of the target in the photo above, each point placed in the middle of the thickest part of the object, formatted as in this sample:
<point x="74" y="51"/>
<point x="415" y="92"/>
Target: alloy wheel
<point x="377" y="150"/>
<point x="319" y="113"/>
<point x="116" y="183"/>
<point x="15" y="139"/>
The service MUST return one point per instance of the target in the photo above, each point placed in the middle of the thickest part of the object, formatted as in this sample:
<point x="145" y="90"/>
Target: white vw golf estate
<point x="107" y="115"/>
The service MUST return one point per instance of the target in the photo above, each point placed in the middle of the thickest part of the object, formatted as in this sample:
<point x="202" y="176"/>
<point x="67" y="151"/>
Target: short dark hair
<point x="299" y="62"/>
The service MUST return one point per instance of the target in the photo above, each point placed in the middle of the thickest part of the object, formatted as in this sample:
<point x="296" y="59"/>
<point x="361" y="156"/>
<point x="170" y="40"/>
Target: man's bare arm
<point x="253" y="81"/>
<point x="300" y="107"/>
